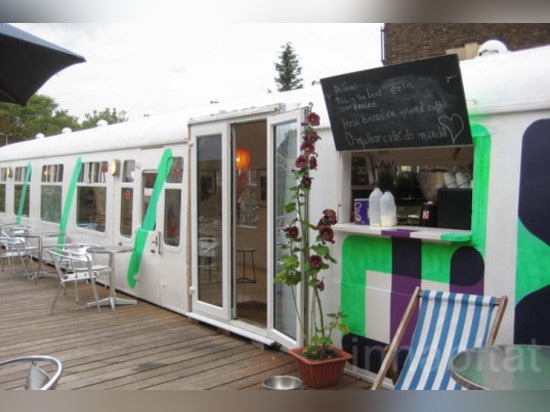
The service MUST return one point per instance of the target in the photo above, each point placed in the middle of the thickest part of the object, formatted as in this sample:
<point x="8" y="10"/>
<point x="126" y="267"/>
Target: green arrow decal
<point x="149" y="219"/>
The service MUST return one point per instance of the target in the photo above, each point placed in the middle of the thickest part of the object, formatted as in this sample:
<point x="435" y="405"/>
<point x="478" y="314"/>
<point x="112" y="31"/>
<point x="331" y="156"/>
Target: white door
<point x="283" y="147"/>
<point x="157" y="267"/>
<point x="210" y="221"/>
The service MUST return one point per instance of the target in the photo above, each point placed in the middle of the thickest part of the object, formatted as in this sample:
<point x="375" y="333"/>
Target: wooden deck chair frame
<point x="389" y="365"/>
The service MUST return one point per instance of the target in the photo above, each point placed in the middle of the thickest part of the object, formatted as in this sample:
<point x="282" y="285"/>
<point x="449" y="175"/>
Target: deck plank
<point x="137" y="347"/>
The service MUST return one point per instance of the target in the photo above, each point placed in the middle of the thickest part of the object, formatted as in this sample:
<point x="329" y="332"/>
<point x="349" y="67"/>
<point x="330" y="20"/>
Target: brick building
<point x="404" y="42"/>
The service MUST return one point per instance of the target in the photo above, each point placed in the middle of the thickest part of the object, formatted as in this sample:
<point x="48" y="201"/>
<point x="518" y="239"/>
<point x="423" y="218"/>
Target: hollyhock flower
<point x="315" y="261"/>
<point x="320" y="285"/>
<point x="311" y="136"/>
<point x="330" y="215"/>
<point x="308" y="148"/>
<point x="313" y="119"/>
<point x="292" y="232"/>
<point x="326" y="233"/>
<point x="306" y="182"/>
<point x="301" y="162"/>
<point x="313" y="163"/>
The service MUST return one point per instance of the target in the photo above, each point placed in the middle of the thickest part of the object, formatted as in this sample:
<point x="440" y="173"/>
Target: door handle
<point x="159" y="242"/>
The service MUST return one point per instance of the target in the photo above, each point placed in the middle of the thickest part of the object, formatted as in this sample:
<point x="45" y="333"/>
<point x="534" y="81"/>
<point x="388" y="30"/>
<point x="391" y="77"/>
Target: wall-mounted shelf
<point x="433" y="234"/>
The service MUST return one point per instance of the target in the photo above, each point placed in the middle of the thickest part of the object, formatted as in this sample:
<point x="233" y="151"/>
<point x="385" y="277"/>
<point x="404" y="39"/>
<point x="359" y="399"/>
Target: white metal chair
<point x="38" y="377"/>
<point x="82" y="249"/>
<point x="73" y="268"/>
<point x="12" y="248"/>
<point x="447" y="323"/>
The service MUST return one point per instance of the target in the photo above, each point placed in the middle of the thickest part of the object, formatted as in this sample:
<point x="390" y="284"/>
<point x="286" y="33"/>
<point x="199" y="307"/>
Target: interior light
<point x="242" y="159"/>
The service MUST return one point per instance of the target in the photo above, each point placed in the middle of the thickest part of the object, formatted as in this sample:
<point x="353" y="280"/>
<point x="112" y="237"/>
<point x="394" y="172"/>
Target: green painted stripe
<point x="24" y="193"/>
<point x="456" y="237"/>
<point x="149" y="219"/>
<point x="69" y="200"/>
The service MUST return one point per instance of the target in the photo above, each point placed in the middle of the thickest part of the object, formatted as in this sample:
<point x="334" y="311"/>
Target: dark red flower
<point x="320" y="285"/>
<point x="326" y="233"/>
<point x="301" y="162"/>
<point x="331" y="216"/>
<point x="306" y="182"/>
<point x="313" y="163"/>
<point x="315" y="261"/>
<point x="313" y="119"/>
<point x="308" y="148"/>
<point x="292" y="232"/>
<point x="311" y="136"/>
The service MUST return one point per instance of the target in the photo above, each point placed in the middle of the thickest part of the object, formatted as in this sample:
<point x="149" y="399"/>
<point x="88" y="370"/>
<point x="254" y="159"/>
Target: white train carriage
<point x="199" y="195"/>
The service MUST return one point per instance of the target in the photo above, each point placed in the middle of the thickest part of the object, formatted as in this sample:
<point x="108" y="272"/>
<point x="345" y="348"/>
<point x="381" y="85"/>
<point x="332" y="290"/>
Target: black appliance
<point x="454" y="208"/>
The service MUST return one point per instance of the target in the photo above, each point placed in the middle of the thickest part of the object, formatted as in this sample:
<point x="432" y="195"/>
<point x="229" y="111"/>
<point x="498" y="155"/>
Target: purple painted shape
<point x="397" y="232"/>
<point x="402" y="290"/>
<point x="475" y="289"/>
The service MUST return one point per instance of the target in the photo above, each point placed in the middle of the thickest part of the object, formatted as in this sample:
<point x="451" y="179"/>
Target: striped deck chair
<point x="447" y="323"/>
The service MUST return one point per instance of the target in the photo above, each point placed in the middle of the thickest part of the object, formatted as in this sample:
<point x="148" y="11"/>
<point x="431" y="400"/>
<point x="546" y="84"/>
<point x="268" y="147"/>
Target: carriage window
<point x="172" y="214"/>
<point x="52" y="173"/>
<point x="22" y="190"/>
<point x="128" y="171"/>
<point x="148" y="184"/>
<point x="126" y="203"/>
<point x="92" y="196"/>
<point x="4" y="173"/>
<point x="94" y="172"/>
<point x="176" y="171"/>
<point x="50" y="194"/>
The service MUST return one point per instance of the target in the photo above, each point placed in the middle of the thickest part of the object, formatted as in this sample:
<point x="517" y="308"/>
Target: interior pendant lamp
<point x="242" y="159"/>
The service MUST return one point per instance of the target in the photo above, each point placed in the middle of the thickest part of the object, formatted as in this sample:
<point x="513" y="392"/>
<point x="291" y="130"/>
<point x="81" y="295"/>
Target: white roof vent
<point x="39" y="136"/>
<point x="492" y="47"/>
<point x="101" y="123"/>
<point x="66" y="130"/>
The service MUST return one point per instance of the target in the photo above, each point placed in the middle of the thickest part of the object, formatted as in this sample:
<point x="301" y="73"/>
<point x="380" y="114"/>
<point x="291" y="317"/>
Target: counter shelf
<point x="434" y="234"/>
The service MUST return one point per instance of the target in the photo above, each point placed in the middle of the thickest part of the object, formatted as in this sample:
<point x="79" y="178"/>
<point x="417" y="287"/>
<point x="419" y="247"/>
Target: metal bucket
<point x="282" y="383"/>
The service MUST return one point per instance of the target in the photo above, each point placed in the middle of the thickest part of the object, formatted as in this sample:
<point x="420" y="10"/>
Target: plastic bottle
<point x="374" y="207"/>
<point x="388" y="210"/>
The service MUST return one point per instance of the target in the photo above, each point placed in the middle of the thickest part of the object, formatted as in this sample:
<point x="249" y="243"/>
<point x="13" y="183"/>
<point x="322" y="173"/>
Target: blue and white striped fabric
<point x="447" y="323"/>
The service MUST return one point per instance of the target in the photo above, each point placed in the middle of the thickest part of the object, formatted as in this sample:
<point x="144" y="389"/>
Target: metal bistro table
<point x="112" y="300"/>
<point x="41" y="272"/>
<point x="503" y="367"/>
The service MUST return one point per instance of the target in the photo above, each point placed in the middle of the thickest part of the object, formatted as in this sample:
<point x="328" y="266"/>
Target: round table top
<point x="503" y="367"/>
<point x="110" y="249"/>
<point x="246" y="249"/>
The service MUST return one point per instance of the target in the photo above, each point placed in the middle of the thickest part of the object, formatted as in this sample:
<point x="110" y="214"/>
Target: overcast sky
<point x="152" y="68"/>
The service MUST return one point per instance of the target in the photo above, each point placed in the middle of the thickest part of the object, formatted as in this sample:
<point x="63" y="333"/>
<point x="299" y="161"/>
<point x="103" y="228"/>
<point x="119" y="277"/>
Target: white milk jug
<point x="388" y="210"/>
<point x="374" y="207"/>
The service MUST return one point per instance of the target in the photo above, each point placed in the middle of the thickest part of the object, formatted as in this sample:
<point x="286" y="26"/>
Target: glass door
<point x="283" y="148"/>
<point x="210" y="279"/>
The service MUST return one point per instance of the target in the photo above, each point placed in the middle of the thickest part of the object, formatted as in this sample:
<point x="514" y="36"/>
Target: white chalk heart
<point x="453" y="124"/>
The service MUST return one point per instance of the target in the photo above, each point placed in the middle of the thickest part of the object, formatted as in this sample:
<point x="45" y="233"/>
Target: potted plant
<point x="303" y="262"/>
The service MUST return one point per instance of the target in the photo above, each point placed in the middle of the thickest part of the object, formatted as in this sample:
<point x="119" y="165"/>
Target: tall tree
<point x="40" y="115"/>
<point x="289" y="70"/>
<point x="111" y="116"/>
<point x="43" y="115"/>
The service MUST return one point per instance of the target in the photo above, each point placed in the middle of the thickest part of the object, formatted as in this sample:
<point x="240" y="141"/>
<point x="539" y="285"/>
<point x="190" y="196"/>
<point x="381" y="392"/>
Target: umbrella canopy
<point x="27" y="62"/>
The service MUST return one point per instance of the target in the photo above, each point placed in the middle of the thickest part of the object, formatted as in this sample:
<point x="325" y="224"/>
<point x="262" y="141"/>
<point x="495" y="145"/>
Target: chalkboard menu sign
<point x="420" y="103"/>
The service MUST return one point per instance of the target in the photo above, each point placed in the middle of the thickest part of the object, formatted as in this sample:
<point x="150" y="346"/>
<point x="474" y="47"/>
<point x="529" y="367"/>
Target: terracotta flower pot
<point x="323" y="373"/>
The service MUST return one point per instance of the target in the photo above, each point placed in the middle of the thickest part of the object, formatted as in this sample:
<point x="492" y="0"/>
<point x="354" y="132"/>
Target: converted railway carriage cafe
<point x="200" y="195"/>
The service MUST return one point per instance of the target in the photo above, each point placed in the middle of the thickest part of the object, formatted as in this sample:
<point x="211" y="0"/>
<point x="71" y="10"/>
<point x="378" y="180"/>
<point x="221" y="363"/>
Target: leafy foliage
<point x="111" y="116"/>
<point x="43" y="115"/>
<point x="289" y="70"/>
<point x="304" y="262"/>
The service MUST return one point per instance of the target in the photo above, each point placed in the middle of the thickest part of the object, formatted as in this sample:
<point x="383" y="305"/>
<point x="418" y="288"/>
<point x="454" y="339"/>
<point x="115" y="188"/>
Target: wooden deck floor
<point x="133" y="347"/>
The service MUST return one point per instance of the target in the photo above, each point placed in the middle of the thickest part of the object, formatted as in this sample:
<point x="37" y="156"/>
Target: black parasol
<point x="27" y="62"/>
